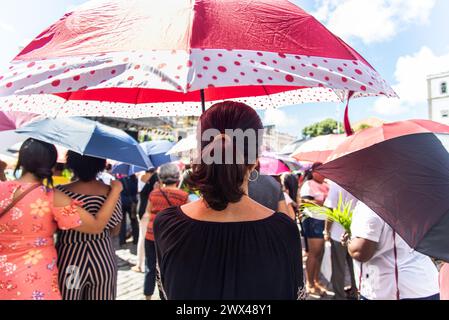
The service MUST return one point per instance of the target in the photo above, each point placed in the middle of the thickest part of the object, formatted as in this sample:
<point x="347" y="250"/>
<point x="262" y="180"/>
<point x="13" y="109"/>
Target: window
<point x="444" y="88"/>
<point x="445" y="113"/>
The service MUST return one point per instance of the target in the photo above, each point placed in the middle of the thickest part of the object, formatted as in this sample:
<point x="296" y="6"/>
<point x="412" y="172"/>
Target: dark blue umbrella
<point x="157" y="151"/>
<point x="90" y="138"/>
<point x="157" y="155"/>
<point x="126" y="169"/>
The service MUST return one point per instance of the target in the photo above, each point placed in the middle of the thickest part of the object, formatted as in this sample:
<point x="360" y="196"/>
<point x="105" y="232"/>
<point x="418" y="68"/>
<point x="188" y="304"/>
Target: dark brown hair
<point x="221" y="184"/>
<point x="38" y="158"/>
<point x="308" y="175"/>
<point x="85" y="168"/>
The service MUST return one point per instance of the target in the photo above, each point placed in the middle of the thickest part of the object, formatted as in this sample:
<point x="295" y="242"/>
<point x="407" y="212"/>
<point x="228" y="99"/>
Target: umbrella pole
<point x="348" y="129"/>
<point x="203" y="101"/>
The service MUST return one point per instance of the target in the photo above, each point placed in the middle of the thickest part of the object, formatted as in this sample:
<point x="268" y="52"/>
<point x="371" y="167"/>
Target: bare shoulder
<point x="259" y="210"/>
<point x="103" y="187"/>
<point x="60" y="199"/>
<point x="94" y="188"/>
<point x="193" y="208"/>
<point x="67" y="186"/>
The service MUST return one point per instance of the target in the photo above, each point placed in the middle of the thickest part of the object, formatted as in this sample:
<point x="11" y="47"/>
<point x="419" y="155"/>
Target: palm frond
<point x="342" y="214"/>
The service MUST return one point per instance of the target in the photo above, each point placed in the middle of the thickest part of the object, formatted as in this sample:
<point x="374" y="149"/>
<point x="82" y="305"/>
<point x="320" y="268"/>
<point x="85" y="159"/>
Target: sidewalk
<point x="129" y="283"/>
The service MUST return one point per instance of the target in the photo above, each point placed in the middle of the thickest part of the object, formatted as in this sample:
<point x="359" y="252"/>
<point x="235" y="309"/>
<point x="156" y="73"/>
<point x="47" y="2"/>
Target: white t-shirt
<point x="288" y="199"/>
<point x="318" y="192"/>
<point x="140" y="185"/>
<point x="105" y="177"/>
<point x="313" y="189"/>
<point x="418" y="276"/>
<point x="332" y="199"/>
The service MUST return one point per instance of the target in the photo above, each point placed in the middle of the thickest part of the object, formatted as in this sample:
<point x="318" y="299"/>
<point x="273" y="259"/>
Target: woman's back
<point x="33" y="217"/>
<point x="28" y="256"/>
<point x="237" y="260"/>
<point x="92" y="200"/>
<point x="92" y="255"/>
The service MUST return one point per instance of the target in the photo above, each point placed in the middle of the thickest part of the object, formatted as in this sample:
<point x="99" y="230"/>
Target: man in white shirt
<point x="387" y="268"/>
<point x="333" y="232"/>
<point x="106" y="176"/>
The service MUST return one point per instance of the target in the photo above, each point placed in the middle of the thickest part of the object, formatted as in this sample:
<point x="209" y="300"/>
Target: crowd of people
<point x="215" y="231"/>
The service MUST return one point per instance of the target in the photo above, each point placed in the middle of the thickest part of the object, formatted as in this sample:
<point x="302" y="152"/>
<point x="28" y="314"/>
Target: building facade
<point x="438" y="97"/>
<point x="274" y="140"/>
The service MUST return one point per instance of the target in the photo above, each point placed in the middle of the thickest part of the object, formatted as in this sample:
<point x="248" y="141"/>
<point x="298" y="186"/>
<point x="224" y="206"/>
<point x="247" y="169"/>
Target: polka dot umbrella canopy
<point x="140" y="58"/>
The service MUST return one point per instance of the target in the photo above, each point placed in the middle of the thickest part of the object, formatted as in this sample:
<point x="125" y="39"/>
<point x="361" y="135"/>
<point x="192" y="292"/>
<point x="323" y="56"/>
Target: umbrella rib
<point x="269" y="96"/>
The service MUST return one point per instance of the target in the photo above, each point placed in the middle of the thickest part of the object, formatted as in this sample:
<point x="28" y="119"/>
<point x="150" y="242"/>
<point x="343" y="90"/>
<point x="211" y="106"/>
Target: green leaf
<point x="342" y="214"/>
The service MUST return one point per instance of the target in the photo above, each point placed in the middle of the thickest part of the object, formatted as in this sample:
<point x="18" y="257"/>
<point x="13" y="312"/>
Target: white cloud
<point x="411" y="81"/>
<point x="372" y="20"/>
<point x="278" y="118"/>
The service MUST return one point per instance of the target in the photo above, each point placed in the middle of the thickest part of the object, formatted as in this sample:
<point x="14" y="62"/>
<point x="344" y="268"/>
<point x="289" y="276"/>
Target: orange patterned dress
<point x="27" y="253"/>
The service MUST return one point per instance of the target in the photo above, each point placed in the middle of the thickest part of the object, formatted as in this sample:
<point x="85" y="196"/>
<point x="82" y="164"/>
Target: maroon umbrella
<point x="401" y="171"/>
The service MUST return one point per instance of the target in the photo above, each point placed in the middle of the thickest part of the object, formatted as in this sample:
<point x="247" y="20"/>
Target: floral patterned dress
<point x="28" y="258"/>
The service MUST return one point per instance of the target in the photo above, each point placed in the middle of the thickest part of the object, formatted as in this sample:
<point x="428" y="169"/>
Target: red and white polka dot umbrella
<point x="140" y="58"/>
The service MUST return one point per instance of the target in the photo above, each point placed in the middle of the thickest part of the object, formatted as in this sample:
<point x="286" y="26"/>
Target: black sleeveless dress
<point x="254" y="260"/>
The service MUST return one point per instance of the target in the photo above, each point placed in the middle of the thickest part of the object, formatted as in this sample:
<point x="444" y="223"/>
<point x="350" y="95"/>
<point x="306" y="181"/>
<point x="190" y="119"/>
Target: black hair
<point x="59" y="166"/>
<point x="85" y="168"/>
<point x="308" y="175"/>
<point x="38" y="158"/>
<point x="221" y="184"/>
<point x="152" y="170"/>
<point x="291" y="185"/>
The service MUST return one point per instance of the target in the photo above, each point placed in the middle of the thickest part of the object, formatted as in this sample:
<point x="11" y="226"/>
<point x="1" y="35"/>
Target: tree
<point x="325" y="127"/>
<point x="363" y="127"/>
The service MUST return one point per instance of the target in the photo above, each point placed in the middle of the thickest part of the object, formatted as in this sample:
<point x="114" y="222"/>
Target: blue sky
<point x="405" y="40"/>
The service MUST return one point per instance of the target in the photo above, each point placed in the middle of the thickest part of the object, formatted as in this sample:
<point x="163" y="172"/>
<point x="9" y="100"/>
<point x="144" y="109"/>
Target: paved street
<point x="130" y="283"/>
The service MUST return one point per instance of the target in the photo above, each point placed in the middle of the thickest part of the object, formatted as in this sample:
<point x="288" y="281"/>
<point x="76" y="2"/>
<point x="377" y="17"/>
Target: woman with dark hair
<point x="92" y="257"/>
<point x="226" y="245"/>
<point x="314" y="190"/>
<point x="30" y="214"/>
<point x="291" y="188"/>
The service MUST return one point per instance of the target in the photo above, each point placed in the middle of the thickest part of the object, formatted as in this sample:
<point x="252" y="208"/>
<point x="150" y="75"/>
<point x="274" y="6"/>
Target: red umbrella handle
<point x="347" y="123"/>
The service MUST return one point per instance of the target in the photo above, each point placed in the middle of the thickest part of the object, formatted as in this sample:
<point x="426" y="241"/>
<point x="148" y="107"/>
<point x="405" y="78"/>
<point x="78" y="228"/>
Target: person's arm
<point x="327" y="230"/>
<point x="362" y="250"/>
<point x="3" y="166"/>
<point x="366" y="229"/>
<point x="93" y="224"/>
<point x="291" y="211"/>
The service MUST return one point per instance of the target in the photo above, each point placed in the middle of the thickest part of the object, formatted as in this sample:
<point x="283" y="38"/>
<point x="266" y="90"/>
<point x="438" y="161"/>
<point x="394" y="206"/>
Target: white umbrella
<point x="184" y="145"/>
<point x="318" y="149"/>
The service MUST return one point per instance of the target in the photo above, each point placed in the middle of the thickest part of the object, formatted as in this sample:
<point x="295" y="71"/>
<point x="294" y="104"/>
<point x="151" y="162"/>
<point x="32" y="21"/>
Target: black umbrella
<point x="401" y="171"/>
